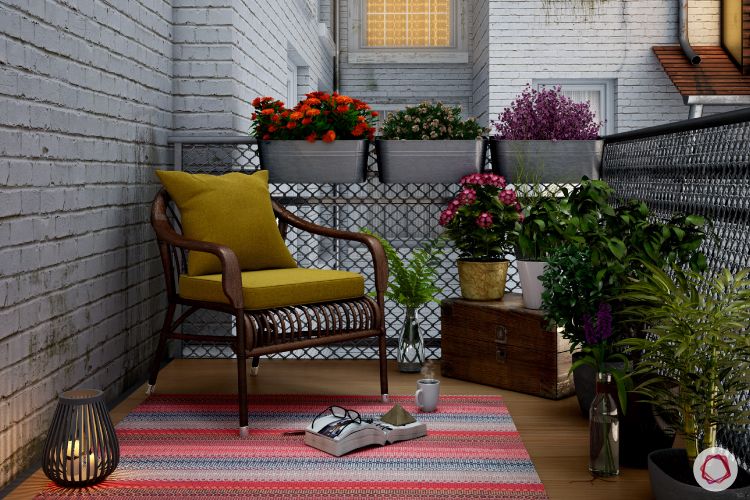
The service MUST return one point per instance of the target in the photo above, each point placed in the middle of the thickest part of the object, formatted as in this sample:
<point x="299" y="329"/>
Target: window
<point x="408" y="23"/>
<point x="599" y="93"/>
<point x="397" y="31"/>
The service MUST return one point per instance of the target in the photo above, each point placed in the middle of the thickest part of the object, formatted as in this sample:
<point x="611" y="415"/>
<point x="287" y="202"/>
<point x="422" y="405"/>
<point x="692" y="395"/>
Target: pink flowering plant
<point x="482" y="217"/>
<point x="546" y="114"/>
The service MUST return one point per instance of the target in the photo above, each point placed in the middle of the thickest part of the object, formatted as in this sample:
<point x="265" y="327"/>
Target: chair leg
<point x="242" y="372"/>
<point x="383" y="367"/>
<point x="159" y="354"/>
<point x="255" y="366"/>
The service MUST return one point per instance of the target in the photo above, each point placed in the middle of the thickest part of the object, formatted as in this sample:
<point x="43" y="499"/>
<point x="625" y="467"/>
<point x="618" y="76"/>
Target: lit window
<point x="397" y="31"/>
<point x="408" y="23"/>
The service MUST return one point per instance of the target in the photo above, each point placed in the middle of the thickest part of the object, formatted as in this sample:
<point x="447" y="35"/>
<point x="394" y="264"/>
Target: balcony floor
<point x="554" y="432"/>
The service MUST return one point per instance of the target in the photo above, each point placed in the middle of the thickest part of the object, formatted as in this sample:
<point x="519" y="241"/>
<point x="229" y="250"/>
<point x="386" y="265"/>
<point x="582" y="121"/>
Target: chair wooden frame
<point x="266" y="331"/>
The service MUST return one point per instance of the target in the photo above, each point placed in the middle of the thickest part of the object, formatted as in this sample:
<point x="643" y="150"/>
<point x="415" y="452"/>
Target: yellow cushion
<point x="278" y="287"/>
<point x="233" y="210"/>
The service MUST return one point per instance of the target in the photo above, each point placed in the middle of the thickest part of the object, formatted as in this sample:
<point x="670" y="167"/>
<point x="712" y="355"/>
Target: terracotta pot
<point x="482" y="280"/>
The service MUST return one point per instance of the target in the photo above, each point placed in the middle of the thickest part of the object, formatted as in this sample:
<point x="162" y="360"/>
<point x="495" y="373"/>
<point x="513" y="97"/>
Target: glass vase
<point x="411" y="343"/>
<point x="604" y="432"/>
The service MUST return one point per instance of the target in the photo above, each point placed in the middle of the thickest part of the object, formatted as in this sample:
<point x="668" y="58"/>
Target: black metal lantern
<point x="81" y="447"/>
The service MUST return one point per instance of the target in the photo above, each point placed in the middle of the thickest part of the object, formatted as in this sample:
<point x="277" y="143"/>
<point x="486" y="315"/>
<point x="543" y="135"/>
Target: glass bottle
<point x="411" y="343"/>
<point x="604" y="432"/>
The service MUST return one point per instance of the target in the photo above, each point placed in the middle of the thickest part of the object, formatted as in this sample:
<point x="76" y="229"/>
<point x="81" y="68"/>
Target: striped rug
<point x="187" y="446"/>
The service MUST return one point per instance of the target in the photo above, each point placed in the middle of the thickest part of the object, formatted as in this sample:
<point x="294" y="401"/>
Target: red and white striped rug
<point x="187" y="446"/>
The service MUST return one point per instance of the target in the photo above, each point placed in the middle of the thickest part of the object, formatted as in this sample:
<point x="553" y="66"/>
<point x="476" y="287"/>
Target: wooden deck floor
<point x="554" y="432"/>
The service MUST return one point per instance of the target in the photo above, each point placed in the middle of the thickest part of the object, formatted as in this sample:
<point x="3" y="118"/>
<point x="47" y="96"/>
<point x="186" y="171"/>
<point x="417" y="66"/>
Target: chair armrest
<point x="231" y="277"/>
<point x="380" y="263"/>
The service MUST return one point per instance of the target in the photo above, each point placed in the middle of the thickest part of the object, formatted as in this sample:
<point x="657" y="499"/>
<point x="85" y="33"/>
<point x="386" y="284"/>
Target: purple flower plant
<point x="601" y="330"/>
<point x="546" y="114"/>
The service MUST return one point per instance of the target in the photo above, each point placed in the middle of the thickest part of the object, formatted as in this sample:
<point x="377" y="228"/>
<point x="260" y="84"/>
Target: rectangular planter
<point x="429" y="162"/>
<point x="553" y="161"/>
<point x="338" y="162"/>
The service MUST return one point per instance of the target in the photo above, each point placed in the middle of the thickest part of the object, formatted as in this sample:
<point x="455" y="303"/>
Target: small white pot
<point x="530" y="271"/>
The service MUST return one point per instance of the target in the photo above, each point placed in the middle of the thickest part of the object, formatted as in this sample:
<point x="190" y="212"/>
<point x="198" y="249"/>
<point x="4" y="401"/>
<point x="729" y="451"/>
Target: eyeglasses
<point x="345" y="418"/>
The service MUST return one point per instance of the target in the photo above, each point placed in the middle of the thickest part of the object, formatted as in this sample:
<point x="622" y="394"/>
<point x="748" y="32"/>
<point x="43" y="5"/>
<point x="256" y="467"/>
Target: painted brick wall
<point x="704" y="22"/>
<point x="614" y="42"/>
<point x="405" y="83"/>
<point x="480" y="60"/>
<point x="86" y="106"/>
<point x="226" y="55"/>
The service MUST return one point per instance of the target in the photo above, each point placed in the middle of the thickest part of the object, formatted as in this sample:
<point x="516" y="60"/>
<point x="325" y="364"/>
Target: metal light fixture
<point x="81" y="447"/>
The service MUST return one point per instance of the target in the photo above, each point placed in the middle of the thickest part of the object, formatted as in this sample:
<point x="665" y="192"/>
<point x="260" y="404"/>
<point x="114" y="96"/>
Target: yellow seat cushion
<point x="233" y="210"/>
<point x="278" y="287"/>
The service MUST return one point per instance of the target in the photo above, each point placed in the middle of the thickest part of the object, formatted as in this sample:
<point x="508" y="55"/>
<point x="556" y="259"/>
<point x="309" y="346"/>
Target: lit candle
<point x="74" y="449"/>
<point x="78" y="471"/>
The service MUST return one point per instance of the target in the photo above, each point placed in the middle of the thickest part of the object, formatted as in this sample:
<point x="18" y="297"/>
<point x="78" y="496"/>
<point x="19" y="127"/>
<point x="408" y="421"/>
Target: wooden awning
<point x="716" y="75"/>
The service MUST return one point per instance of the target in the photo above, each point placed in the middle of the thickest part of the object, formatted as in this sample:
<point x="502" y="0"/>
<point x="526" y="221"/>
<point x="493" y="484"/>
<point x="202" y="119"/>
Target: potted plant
<point x="606" y="241"/>
<point x="694" y="365"/>
<point x="481" y="221"/>
<point x="411" y="285"/>
<point x="429" y="143"/>
<point x="547" y="132"/>
<point x="323" y="139"/>
<point x="539" y="233"/>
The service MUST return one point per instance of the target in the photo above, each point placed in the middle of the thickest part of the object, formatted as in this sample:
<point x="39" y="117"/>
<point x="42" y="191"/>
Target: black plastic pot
<point x="672" y="479"/>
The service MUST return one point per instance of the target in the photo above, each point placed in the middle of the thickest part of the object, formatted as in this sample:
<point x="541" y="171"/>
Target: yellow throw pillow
<point x="233" y="210"/>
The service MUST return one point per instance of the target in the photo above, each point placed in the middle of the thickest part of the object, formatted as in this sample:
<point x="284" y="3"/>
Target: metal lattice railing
<point x="698" y="166"/>
<point x="405" y="214"/>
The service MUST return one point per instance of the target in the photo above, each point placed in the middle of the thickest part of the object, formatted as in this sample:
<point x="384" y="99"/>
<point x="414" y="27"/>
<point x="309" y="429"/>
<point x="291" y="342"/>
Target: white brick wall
<point x="86" y="106"/>
<point x="704" y="22"/>
<point x="614" y="42"/>
<point x="226" y="55"/>
<point x="405" y="83"/>
<point x="480" y="60"/>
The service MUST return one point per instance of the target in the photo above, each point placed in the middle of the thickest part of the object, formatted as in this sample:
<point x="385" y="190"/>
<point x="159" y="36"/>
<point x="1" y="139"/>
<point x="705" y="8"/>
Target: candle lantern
<point x="81" y="447"/>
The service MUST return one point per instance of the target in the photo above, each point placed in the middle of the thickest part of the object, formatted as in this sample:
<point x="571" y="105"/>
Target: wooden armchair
<point x="270" y="328"/>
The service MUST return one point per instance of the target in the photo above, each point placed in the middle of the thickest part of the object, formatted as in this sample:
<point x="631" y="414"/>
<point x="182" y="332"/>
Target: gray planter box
<point x="338" y="162"/>
<point x="552" y="161"/>
<point x="429" y="162"/>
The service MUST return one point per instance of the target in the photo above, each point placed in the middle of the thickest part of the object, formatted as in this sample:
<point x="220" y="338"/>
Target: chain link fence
<point x="701" y="167"/>
<point x="404" y="214"/>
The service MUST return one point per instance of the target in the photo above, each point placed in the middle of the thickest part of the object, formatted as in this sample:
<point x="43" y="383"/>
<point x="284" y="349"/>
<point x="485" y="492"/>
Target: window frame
<point x="360" y="53"/>
<point x="606" y="87"/>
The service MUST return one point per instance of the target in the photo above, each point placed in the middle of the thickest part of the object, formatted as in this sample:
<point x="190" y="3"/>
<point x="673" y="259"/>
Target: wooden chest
<point x="503" y="344"/>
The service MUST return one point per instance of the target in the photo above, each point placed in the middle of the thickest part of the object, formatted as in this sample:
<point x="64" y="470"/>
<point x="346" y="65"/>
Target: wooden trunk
<point x="503" y="344"/>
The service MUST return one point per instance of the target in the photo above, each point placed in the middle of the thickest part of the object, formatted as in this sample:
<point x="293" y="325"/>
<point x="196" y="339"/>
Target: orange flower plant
<point x="319" y="116"/>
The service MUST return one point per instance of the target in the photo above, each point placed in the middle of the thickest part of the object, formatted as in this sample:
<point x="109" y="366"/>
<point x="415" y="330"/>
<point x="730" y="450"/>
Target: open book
<point x="345" y="436"/>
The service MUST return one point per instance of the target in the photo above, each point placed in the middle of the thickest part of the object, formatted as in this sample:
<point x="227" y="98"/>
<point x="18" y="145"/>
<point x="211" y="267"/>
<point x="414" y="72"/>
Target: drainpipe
<point x="684" y="42"/>
<point x="336" y="66"/>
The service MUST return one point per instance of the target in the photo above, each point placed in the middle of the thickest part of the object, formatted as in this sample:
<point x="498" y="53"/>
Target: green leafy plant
<point x="430" y="121"/>
<point x="696" y="360"/>
<point x="542" y="228"/>
<point x="572" y="291"/>
<point x="412" y="283"/>
<point x="618" y="238"/>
